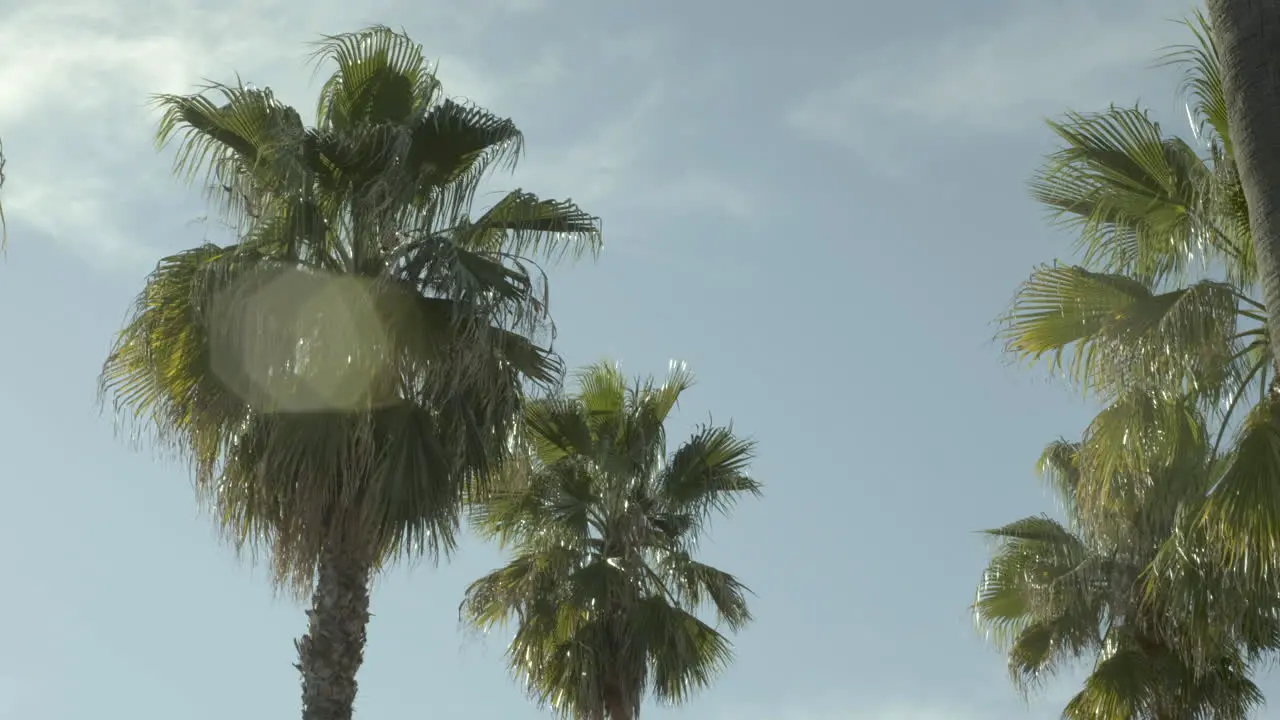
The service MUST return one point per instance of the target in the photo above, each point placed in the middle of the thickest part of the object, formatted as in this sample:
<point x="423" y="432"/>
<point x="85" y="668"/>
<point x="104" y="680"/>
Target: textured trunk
<point x="1248" y="38"/>
<point x="619" y="708"/>
<point x="331" y="652"/>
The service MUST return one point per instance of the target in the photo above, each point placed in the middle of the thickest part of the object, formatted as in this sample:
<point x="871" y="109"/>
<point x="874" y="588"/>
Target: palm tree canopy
<point x="357" y="359"/>
<point x="603" y="524"/>
<point x="1161" y="322"/>
<point x="1164" y="303"/>
<point x="1179" y="645"/>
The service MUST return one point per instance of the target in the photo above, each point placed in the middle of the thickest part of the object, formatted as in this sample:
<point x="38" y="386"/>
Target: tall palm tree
<point x="1164" y="302"/>
<point x="343" y="374"/>
<point x="1054" y="593"/>
<point x="1246" y="31"/>
<point x="1160" y="321"/>
<point x="602" y="524"/>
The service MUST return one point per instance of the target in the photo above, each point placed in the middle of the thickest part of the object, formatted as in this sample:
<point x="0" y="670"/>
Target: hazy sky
<point x="819" y="205"/>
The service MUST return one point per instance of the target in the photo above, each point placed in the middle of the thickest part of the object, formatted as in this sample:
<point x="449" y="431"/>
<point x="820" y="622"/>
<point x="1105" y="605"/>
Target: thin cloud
<point x="992" y="75"/>
<point x="75" y="78"/>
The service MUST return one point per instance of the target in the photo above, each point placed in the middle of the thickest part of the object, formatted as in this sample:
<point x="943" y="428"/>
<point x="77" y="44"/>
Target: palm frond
<point x="524" y="225"/>
<point x="381" y="77"/>
<point x="685" y="653"/>
<point x="1109" y="331"/>
<point x="1129" y="441"/>
<point x="451" y="147"/>
<point x="697" y="583"/>
<point x="249" y="147"/>
<point x="1059" y="467"/>
<point x="1243" y="510"/>
<point x="1137" y="198"/>
<point x="1120" y="687"/>
<point x="1039" y="563"/>
<point x="709" y="471"/>
<point x="1202" y="78"/>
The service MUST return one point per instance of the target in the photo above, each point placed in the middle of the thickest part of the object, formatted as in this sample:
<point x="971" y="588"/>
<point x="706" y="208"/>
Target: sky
<point x="819" y="205"/>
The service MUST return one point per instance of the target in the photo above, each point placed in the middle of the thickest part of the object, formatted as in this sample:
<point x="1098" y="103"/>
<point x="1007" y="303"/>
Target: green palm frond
<point x="708" y="472"/>
<point x="1020" y="602"/>
<point x="522" y="224"/>
<point x="1205" y="606"/>
<point x="160" y="369"/>
<point x="698" y="584"/>
<point x="1144" y="680"/>
<point x="603" y="584"/>
<point x="1140" y="201"/>
<point x="381" y="77"/>
<point x="1243" y="511"/>
<point x="1202" y="85"/>
<point x="1040" y="530"/>
<point x="1110" y="331"/>
<point x="685" y="653"/>
<point x="1135" y="434"/>
<point x="1120" y="687"/>
<point x="250" y="147"/>
<point x="1059" y="467"/>
<point x="452" y="147"/>
<point x="1202" y="78"/>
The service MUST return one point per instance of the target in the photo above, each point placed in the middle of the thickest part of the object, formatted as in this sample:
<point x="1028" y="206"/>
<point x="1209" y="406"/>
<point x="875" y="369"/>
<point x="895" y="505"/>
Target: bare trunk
<point x="1248" y="38"/>
<point x="618" y="708"/>
<point x="330" y="654"/>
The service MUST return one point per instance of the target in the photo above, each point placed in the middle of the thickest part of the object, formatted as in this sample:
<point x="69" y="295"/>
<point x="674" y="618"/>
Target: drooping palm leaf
<point x="1140" y="201"/>
<point x="1110" y="331"/>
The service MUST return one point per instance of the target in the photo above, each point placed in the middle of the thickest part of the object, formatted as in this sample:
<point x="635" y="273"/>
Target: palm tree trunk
<point x="619" y="709"/>
<point x="1247" y="33"/>
<point x="332" y="650"/>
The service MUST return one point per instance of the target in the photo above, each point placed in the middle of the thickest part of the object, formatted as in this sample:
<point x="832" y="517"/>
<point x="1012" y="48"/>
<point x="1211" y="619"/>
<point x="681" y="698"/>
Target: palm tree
<point x="343" y="374"/>
<point x="1054" y="593"/>
<point x="602" y="525"/>
<point x="1164" y="303"/>
<point x="1160" y="322"/>
<point x="1245" y="33"/>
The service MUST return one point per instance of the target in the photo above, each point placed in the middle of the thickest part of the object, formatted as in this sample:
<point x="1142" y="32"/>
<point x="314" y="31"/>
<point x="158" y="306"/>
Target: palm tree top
<point x="360" y="354"/>
<point x="603" y="524"/>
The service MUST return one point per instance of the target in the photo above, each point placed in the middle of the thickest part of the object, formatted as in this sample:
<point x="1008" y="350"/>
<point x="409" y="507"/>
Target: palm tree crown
<point x="1163" y="304"/>
<point x="357" y="357"/>
<point x="602" y="524"/>
<point x="1159" y="321"/>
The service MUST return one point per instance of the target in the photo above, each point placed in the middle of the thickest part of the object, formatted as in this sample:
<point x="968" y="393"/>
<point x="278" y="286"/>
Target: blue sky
<point x="818" y="205"/>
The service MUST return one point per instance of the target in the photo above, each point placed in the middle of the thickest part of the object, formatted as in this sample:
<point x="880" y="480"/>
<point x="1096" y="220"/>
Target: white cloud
<point x="992" y="74"/>
<point x="75" y="78"/>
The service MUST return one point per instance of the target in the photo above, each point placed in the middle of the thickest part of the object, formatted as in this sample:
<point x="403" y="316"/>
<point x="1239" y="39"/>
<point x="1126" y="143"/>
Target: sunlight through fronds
<point x="603" y="587"/>
<point x="358" y="359"/>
